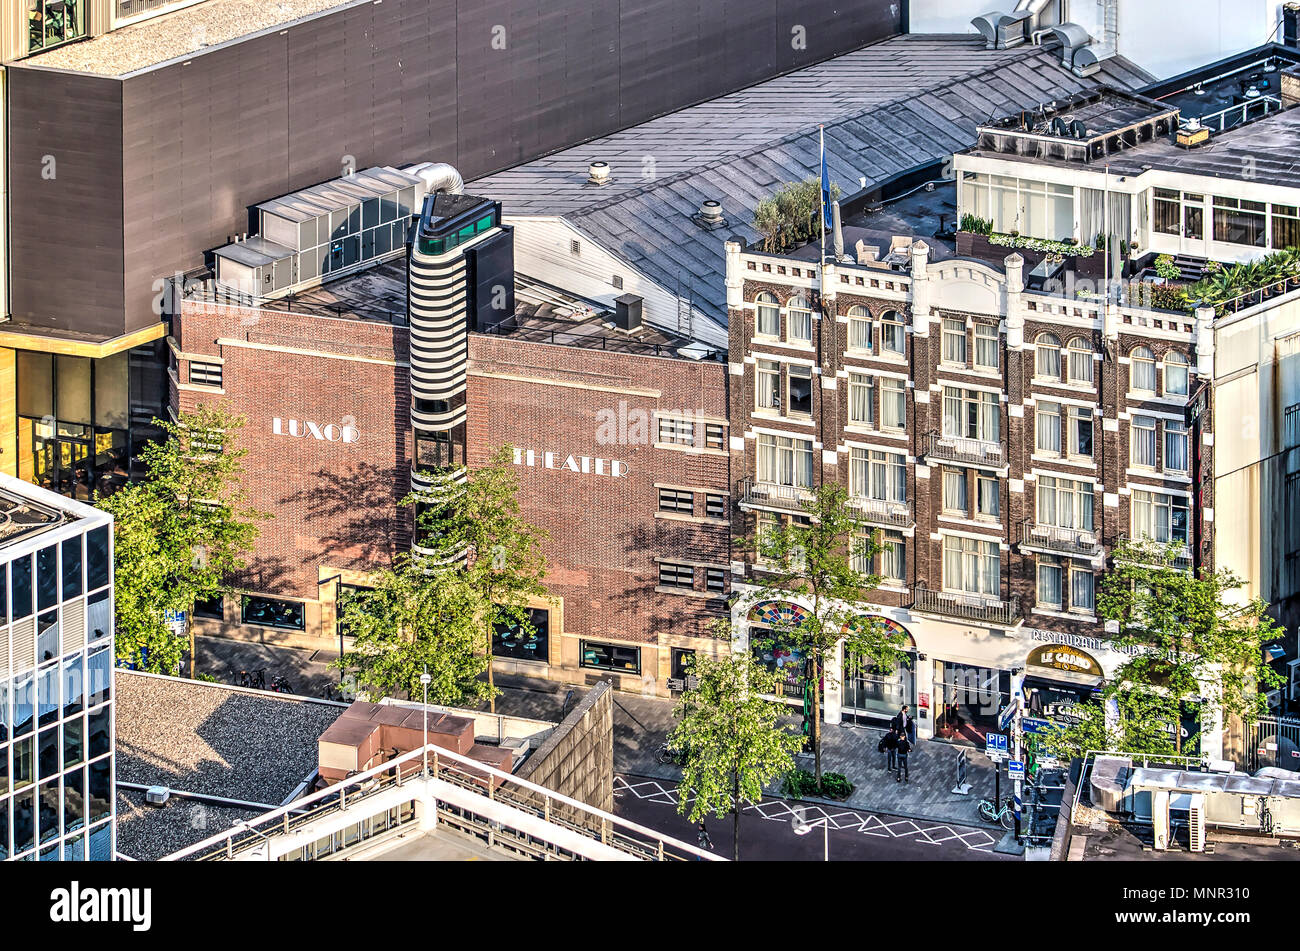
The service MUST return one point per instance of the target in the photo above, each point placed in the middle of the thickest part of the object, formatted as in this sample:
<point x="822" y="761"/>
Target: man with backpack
<point x="889" y="746"/>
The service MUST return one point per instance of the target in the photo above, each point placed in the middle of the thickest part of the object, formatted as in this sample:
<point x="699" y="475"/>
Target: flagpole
<point x="821" y="192"/>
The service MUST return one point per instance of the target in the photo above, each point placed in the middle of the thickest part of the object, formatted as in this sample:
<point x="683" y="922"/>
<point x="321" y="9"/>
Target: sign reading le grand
<point x="304" y="428"/>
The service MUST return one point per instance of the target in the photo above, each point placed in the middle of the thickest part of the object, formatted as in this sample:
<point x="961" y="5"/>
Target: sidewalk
<point x="642" y="724"/>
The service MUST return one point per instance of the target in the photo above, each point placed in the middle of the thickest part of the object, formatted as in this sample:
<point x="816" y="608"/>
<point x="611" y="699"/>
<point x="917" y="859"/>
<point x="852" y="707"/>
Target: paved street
<point x="642" y="724"/>
<point x="767" y="830"/>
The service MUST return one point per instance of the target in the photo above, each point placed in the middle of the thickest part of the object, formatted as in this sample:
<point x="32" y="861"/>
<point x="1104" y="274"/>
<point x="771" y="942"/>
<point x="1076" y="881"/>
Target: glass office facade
<point x="56" y="676"/>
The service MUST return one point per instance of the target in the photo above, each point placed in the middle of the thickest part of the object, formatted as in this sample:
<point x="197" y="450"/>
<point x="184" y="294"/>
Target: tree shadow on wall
<point x="358" y="512"/>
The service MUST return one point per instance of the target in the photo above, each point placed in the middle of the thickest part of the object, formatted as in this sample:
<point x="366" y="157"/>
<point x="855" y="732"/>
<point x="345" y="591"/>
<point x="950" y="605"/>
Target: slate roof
<point x="889" y="107"/>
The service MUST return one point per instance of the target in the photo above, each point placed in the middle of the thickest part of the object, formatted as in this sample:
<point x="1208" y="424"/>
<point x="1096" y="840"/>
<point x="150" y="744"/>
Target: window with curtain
<point x="892" y="335"/>
<point x="1080" y="431"/>
<point x="800" y="316"/>
<point x="859" y="328"/>
<point x="1047" y="427"/>
<point x="874" y="474"/>
<point x="1142" y="371"/>
<point x="954" y="340"/>
<point x="988" y="501"/>
<point x="1080" y="365"/>
<point x="1238" y="221"/>
<point x="1065" y="503"/>
<point x="861" y="402"/>
<point x="767" y="386"/>
<point x="769" y="315"/>
<point x="971" y="414"/>
<point x="1082" y="596"/>
<point x="1159" y="517"/>
<point x="971" y="566"/>
<point x="800" y="387"/>
<point x="1286" y="226"/>
<point x="1047" y="357"/>
<point x="783" y="460"/>
<point x="1050" y="594"/>
<point x="893" y="557"/>
<point x="1166" y="208"/>
<point x="893" y="403"/>
<point x="1142" y="442"/>
<point x="954" y="491"/>
<point x="986" y="346"/>
<point x="1176" y="446"/>
<point x="1175" y="374"/>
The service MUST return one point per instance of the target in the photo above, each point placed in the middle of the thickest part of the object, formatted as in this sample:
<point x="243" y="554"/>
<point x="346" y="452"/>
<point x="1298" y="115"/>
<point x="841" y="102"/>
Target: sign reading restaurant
<point x="584" y="465"/>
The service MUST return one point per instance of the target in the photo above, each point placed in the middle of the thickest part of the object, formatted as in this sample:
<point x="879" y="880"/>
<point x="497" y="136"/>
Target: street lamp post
<point x="803" y="827"/>
<point x="424" y="684"/>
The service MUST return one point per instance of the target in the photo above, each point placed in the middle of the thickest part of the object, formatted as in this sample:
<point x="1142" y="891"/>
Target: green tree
<point x="731" y="737"/>
<point x="416" y="618"/>
<point x="791" y="216"/>
<point x="179" y="534"/>
<point x="503" y="559"/>
<point x="1193" y="646"/>
<point x="821" y="560"/>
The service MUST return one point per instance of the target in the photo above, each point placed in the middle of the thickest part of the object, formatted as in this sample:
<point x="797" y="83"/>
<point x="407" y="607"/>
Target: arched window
<point x="859" y="328"/>
<point x="800" y="317"/>
<point x="769" y="315"/>
<point x="1047" y="359"/>
<point x="1080" y="360"/>
<point x="892" y="336"/>
<point x="1175" y="374"/>
<point x="1142" y="370"/>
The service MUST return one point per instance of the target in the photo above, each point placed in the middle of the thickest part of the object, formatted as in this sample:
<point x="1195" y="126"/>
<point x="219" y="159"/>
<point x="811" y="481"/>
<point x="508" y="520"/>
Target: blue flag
<point x="826" y="192"/>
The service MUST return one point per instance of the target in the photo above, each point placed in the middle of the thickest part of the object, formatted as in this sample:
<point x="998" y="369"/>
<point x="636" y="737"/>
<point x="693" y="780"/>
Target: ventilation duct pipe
<point x="438" y="177"/>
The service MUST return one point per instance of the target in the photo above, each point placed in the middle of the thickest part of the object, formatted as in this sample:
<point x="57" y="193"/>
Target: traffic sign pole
<point x="1017" y="698"/>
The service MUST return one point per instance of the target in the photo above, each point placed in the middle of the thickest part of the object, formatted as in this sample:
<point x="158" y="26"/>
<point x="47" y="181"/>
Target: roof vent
<point x="598" y="173"/>
<point x="710" y="214"/>
<point x="157" y="795"/>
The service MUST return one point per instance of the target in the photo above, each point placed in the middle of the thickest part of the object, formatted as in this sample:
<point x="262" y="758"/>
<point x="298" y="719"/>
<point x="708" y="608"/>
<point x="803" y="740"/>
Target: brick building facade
<point x="1001" y="441"/>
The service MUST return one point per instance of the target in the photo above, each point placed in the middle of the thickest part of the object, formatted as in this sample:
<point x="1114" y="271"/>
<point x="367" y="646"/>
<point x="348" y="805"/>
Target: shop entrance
<point x="873" y="695"/>
<point x="967" y="701"/>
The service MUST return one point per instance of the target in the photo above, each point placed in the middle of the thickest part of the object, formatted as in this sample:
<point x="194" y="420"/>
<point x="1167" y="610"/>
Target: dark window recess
<point x="682" y="659"/>
<point x="801" y="390"/>
<point x="625" y="660"/>
<point x="96" y="558"/>
<point x="512" y="639"/>
<point x="47" y="636"/>
<point x="20" y="581"/>
<point x="715" y="436"/>
<point x="671" y="500"/>
<point x="47" y="577"/>
<point x="211" y="608"/>
<point x="715" y="506"/>
<point x="207" y="374"/>
<point x="71" y="567"/>
<point x="99" y="615"/>
<point x="270" y="612"/>
<point x="676" y="576"/>
<point x="436" y="450"/>
<point x="715" y="580"/>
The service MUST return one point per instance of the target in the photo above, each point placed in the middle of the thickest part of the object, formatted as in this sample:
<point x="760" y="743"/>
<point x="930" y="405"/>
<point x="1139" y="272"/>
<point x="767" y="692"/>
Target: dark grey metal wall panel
<point x="65" y="252"/>
<point x="180" y="152"/>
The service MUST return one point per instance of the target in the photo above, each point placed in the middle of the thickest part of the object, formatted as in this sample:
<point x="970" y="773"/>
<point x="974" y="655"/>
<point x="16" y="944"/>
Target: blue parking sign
<point x="1015" y="769"/>
<point x="995" y="742"/>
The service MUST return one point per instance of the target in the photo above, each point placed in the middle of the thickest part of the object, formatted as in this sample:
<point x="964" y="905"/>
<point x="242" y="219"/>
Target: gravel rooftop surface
<point x="148" y="833"/>
<point x="215" y="740"/>
<point x="178" y="34"/>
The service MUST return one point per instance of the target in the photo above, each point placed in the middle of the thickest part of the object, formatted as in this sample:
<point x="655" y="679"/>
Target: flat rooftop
<point x="21" y="517"/>
<point x="889" y="108"/>
<point x="216" y="741"/>
<point x="184" y="33"/>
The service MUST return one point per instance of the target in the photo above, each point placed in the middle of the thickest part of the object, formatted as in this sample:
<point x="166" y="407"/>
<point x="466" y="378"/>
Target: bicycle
<point x="1006" y="815"/>
<point x="281" y="685"/>
<point x="670" y="756"/>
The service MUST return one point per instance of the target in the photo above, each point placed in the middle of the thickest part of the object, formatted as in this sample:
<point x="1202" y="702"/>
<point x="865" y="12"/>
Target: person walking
<point x="904" y="748"/>
<point x="889" y="746"/>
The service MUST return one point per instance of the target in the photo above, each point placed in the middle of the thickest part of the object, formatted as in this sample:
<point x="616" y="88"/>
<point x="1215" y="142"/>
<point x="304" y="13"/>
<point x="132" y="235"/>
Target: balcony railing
<point x="883" y="512"/>
<point x="975" y="452"/>
<point x="1153" y="553"/>
<point x="791" y="498"/>
<point x="1068" y="541"/>
<point x="968" y="607"/>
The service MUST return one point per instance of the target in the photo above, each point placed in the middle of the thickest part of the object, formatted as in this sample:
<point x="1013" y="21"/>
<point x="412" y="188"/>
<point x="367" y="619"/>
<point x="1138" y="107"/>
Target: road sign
<point x="1015" y="769"/>
<point x="995" y="743"/>
<point x="1006" y="716"/>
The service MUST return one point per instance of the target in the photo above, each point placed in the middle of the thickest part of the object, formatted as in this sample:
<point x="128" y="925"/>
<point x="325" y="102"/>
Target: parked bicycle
<point x="1006" y="815"/>
<point x="281" y="685"/>
<point x="670" y="755"/>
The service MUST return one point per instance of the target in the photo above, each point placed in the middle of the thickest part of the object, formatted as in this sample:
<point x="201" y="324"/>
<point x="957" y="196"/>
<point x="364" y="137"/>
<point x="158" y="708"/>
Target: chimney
<point x="598" y="173"/>
<point x="710" y="214"/>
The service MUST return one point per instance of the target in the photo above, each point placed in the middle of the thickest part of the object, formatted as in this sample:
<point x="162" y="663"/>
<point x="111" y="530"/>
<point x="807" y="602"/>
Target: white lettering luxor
<point x="583" y="465"/>
<point x="330" y="432"/>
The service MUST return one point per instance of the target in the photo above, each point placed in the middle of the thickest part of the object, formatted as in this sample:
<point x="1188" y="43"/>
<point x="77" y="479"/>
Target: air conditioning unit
<point x="157" y="795"/>
<point x="1274" y="700"/>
